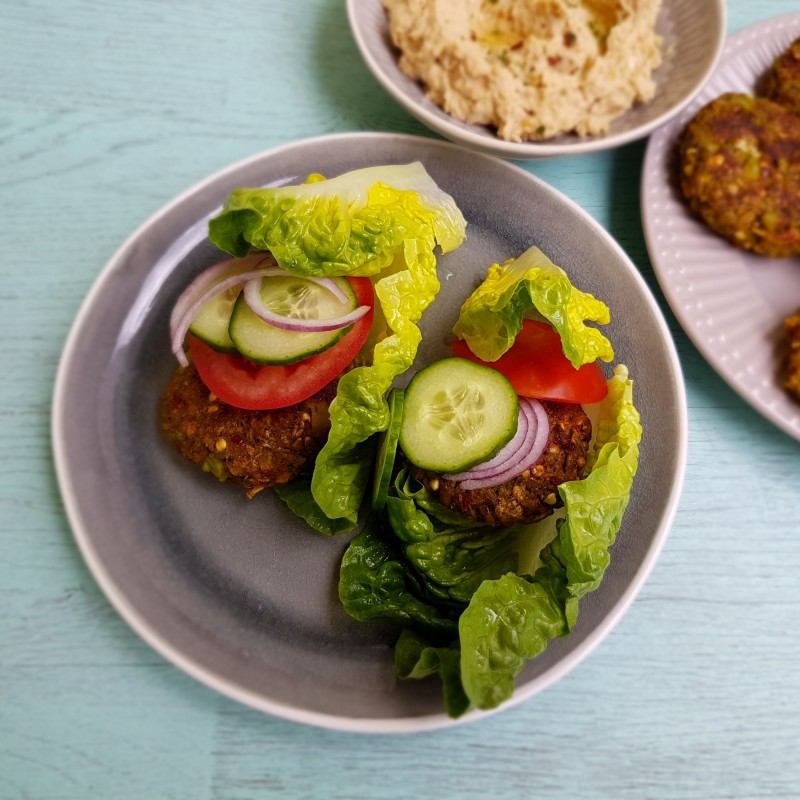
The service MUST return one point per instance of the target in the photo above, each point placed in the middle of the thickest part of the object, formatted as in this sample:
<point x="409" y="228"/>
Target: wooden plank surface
<point x="109" y="109"/>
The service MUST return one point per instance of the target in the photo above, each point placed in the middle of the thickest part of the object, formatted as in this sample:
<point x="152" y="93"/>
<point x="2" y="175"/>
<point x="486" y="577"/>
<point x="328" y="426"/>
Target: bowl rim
<point x="456" y="132"/>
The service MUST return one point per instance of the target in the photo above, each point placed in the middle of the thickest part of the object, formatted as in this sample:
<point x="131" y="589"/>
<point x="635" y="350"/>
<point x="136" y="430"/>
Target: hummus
<point x="531" y="68"/>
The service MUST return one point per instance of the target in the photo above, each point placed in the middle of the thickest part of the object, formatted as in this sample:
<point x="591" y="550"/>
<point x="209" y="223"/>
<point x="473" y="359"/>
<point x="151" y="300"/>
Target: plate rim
<point x="220" y="683"/>
<point x="525" y="150"/>
<point x="657" y="149"/>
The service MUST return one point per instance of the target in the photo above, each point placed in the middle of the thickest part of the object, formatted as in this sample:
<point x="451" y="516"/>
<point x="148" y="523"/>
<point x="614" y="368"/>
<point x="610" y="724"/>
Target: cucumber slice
<point x="211" y="322"/>
<point x="457" y="414"/>
<point x="293" y="297"/>
<point x="387" y="450"/>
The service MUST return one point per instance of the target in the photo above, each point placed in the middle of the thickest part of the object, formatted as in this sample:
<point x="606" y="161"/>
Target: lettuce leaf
<point x="375" y="583"/>
<point x="421" y="562"/>
<point x="450" y="553"/>
<point x="416" y="658"/>
<point x="510" y="620"/>
<point x="297" y="496"/>
<point x="430" y="558"/>
<point x="353" y="224"/>
<point x="376" y="220"/>
<point x="492" y="316"/>
<point x="595" y="505"/>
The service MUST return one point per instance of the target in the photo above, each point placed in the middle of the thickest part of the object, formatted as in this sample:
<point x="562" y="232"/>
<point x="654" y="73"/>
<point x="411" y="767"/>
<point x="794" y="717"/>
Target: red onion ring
<point x="210" y="276"/>
<point x="207" y="285"/>
<point x="531" y="451"/>
<point x="252" y="296"/>
<point x="180" y="326"/>
<point x="518" y="445"/>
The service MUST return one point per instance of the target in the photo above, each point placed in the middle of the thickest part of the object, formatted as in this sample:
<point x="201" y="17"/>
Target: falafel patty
<point x="531" y="496"/>
<point x="782" y="82"/>
<point x="740" y="172"/>
<point x="258" y="449"/>
<point x="792" y="377"/>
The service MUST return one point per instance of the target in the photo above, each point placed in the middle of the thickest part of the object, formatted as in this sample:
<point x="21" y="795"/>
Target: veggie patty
<point x="792" y="378"/>
<point x="782" y="82"/>
<point x="531" y="496"/>
<point x="258" y="449"/>
<point x="740" y="172"/>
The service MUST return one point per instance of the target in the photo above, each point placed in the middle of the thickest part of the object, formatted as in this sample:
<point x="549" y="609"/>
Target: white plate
<point x="730" y="303"/>
<point x="241" y="594"/>
<point x="693" y="33"/>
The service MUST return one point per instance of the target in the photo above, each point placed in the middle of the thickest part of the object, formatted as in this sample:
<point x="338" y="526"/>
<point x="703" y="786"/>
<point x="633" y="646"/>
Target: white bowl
<point x="693" y="33"/>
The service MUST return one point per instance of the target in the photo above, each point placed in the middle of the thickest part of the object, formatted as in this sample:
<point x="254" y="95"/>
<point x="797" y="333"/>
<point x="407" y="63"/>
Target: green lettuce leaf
<point x="377" y="220"/>
<point x="438" y="560"/>
<point x="451" y="553"/>
<point x="353" y="224"/>
<point x="492" y="316"/>
<point x="375" y="583"/>
<point x="595" y="505"/>
<point x="510" y="620"/>
<point x="415" y="658"/>
<point x="297" y="496"/>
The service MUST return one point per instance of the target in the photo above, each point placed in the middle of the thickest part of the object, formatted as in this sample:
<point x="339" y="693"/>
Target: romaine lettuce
<point x="492" y="315"/>
<point x="376" y="583"/>
<point x="439" y="559"/>
<point x="354" y="224"/>
<point x="511" y="619"/>
<point x="508" y="619"/>
<point x="380" y="219"/>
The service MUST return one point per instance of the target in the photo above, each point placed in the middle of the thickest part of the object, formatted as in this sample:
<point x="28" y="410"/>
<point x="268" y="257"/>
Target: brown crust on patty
<point x="740" y="172"/>
<point x="792" y="366"/>
<point x="258" y="449"/>
<point x="533" y="495"/>
<point x="782" y="82"/>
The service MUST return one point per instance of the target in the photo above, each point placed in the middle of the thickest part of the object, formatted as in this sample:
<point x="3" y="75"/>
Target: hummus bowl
<point x="692" y="35"/>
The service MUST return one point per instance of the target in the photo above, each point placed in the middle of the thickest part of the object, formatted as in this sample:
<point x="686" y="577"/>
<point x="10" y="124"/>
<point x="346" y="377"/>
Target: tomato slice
<point x="537" y="367"/>
<point x="243" y="384"/>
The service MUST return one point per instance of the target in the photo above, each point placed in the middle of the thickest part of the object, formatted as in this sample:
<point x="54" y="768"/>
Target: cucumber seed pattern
<point x="293" y="299"/>
<point x="459" y="411"/>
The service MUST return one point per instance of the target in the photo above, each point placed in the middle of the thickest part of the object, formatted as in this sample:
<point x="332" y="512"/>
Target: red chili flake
<point x="236" y="439"/>
<point x="517" y="45"/>
<point x="553" y="60"/>
<point x="473" y="37"/>
<point x="569" y="39"/>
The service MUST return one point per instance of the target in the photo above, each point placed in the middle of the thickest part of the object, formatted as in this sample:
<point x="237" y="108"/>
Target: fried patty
<point x="740" y="172"/>
<point x="782" y="82"/>
<point x="792" y="375"/>
<point x="258" y="449"/>
<point x="531" y="496"/>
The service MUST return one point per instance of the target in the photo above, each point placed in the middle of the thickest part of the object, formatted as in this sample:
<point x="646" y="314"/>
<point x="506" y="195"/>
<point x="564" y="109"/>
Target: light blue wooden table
<point x="109" y="109"/>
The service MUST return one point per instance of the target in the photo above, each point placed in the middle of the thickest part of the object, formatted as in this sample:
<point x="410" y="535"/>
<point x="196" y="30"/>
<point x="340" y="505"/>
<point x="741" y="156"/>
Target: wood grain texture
<point x="108" y="110"/>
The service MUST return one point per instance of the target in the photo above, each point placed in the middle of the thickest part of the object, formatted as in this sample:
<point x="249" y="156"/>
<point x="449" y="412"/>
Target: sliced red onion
<point x="210" y="276"/>
<point x="517" y="446"/>
<point x="180" y="326"/>
<point x="207" y="285"/>
<point x="252" y="296"/>
<point x="531" y="450"/>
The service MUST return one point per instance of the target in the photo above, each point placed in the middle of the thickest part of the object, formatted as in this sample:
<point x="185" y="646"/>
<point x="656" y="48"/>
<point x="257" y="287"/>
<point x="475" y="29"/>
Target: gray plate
<point x="242" y="595"/>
